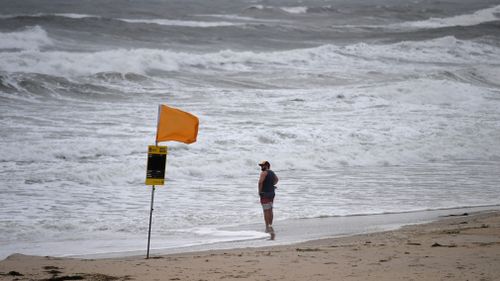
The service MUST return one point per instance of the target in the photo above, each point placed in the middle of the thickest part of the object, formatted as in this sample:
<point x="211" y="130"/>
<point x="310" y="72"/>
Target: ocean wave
<point x="413" y="126"/>
<point x="309" y="10"/>
<point x="39" y="15"/>
<point x="478" y="17"/>
<point x="76" y="16"/>
<point x="238" y="18"/>
<point x="104" y="86"/>
<point x="290" y="10"/>
<point x="262" y="9"/>
<point x="184" y="23"/>
<point x="295" y="10"/>
<point x="165" y="22"/>
<point x="31" y="38"/>
<point x="446" y="50"/>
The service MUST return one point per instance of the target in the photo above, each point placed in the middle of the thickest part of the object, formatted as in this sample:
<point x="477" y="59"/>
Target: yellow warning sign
<point x="157" y="160"/>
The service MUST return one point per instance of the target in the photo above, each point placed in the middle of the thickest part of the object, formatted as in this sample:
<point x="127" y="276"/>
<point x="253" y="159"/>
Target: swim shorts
<point x="267" y="203"/>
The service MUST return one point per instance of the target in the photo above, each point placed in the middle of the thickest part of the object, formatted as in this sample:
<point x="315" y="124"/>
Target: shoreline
<point x="291" y="231"/>
<point x="457" y="247"/>
<point x="296" y="231"/>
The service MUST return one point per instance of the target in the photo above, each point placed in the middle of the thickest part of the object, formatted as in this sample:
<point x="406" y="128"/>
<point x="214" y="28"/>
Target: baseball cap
<point x="264" y="163"/>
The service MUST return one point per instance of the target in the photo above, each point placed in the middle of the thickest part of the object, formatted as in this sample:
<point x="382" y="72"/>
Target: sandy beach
<point x="459" y="247"/>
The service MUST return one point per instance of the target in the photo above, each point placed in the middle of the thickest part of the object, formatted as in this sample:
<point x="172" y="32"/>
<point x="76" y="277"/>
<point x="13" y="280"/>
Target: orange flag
<point x="176" y="125"/>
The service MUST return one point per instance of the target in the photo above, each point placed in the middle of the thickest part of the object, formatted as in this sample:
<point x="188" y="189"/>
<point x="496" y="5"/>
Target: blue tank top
<point x="268" y="185"/>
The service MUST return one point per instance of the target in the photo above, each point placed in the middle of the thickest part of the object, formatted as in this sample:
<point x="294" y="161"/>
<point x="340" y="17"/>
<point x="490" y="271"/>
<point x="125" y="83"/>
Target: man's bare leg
<point x="268" y="218"/>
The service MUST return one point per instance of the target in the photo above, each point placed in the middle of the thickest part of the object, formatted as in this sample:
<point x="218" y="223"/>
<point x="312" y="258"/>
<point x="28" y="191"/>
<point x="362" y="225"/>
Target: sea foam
<point x="478" y="17"/>
<point x="180" y="22"/>
<point x="356" y="57"/>
<point x="166" y="22"/>
<point x="31" y="38"/>
<point x="295" y="10"/>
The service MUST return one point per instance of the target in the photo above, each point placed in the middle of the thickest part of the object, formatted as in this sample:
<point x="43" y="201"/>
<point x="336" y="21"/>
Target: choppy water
<point x="362" y="108"/>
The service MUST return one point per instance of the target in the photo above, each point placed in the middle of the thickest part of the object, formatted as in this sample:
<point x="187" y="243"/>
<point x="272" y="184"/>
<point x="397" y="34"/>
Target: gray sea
<point x="364" y="109"/>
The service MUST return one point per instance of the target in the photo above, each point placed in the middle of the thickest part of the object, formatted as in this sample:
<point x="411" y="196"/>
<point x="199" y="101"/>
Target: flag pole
<point x="153" y="190"/>
<point x="150" y="219"/>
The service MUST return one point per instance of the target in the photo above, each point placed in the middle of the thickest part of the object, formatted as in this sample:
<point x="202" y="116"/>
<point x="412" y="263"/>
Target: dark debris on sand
<point x="89" y="277"/>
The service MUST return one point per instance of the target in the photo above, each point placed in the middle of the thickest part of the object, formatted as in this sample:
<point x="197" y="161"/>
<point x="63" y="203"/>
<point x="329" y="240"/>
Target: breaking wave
<point x="448" y="50"/>
<point x="180" y="22"/>
<point x="478" y="17"/>
<point x="30" y="38"/>
<point x="295" y="10"/>
<point x="166" y="22"/>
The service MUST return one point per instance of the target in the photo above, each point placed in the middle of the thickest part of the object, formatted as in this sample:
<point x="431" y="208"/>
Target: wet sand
<point x="461" y="247"/>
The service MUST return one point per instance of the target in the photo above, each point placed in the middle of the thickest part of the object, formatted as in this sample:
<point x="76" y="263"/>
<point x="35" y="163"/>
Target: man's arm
<point x="275" y="179"/>
<point x="261" y="181"/>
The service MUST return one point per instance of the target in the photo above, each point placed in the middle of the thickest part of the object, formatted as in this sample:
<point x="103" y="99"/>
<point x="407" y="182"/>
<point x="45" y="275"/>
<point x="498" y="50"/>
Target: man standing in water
<point x="267" y="182"/>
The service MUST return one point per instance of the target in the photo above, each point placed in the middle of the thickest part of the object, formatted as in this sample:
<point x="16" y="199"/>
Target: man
<point x="267" y="185"/>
